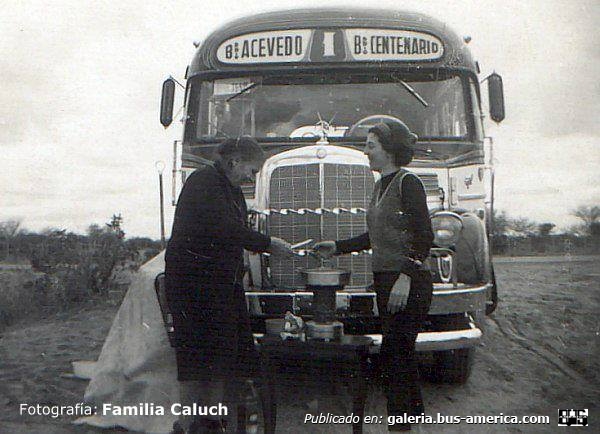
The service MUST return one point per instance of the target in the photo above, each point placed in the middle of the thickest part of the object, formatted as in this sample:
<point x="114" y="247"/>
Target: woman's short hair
<point x="397" y="140"/>
<point x="244" y="148"/>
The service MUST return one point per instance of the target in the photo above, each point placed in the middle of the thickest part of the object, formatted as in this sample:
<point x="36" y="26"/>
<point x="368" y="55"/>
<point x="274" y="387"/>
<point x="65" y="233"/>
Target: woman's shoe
<point x="400" y="427"/>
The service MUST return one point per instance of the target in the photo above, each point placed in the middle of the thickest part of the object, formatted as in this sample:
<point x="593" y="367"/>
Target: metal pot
<point x="325" y="276"/>
<point x="274" y="326"/>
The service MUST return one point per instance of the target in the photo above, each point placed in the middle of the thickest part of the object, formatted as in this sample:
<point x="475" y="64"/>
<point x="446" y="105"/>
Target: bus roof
<point x="455" y="51"/>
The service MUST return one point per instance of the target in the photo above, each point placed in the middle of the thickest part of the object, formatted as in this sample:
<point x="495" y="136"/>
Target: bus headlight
<point x="446" y="228"/>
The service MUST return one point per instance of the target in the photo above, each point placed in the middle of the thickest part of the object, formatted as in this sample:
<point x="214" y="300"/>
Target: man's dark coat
<point x="204" y="271"/>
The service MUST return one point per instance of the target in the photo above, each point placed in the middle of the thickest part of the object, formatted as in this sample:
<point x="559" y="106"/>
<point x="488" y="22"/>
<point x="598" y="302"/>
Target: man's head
<point x="241" y="159"/>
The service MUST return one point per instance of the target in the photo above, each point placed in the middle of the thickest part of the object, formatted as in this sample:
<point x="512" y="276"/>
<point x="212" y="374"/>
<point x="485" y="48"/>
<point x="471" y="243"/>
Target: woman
<point x="399" y="232"/>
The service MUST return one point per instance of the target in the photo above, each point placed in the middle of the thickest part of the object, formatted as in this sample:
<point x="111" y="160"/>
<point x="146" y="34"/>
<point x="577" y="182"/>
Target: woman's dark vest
<point x="388" y="226"/>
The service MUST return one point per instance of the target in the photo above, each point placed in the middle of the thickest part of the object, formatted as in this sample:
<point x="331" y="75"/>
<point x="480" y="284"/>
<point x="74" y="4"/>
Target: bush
<point x="22" y="293"/>
<point x="560" y="244"/>
<point x="80" y="265"/>
<point x="68" y="268"/>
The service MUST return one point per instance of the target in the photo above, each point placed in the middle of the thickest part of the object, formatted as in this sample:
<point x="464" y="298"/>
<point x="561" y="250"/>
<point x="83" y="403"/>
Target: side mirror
<point x="496" y="97"/>
<point x="166" y="102"/>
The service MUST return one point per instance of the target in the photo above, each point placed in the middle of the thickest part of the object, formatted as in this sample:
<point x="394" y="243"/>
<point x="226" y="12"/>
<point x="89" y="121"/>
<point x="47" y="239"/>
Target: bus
<point x="308" y="84"/>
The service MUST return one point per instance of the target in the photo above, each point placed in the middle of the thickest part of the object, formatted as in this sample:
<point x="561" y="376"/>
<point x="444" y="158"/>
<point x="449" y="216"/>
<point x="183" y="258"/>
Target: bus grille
<point x="431" y="183"/>
<point x="315" y="186"/>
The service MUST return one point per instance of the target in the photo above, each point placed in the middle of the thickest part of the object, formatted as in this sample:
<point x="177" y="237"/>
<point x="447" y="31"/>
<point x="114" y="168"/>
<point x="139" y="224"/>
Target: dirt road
<point x="540" y="353"/>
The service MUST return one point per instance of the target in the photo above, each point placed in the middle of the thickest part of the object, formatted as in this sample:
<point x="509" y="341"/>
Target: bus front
<point x="308" y="85"/>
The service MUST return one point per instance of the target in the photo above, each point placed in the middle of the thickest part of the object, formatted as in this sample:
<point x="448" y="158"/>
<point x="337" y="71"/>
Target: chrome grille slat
<point x="431" y="183"/>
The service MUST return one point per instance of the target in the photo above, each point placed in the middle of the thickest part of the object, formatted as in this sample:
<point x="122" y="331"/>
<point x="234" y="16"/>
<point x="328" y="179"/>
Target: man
<point x="204" y="272"/>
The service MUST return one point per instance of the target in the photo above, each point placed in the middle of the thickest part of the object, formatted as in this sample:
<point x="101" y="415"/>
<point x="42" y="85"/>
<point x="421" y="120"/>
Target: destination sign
<point x="265" y="47"/>
<point x="330" y="45"/>
<point x="394" y="45"/>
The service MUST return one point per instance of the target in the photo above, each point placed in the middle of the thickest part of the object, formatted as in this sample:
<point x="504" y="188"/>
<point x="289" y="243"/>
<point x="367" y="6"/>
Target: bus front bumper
<point x="440" y="341"/>
<point x="431" y="341"/>
<point x="447" y="299"/>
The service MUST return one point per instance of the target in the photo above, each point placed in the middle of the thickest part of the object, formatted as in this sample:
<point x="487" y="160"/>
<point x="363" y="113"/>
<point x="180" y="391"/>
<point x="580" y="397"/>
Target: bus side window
<point x="202" y="128"/>
<point x="476" y="110"/>
<point x="191" y="107"/>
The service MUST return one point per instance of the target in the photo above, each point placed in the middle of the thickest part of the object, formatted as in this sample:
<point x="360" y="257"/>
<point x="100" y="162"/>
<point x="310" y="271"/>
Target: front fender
<point x="472" y="251"/>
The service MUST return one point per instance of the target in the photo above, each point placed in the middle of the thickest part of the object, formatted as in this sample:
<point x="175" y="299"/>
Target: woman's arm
<point x="414" y="203"/>
<point x="355" y="244"/>
<point x="326" y="249"/>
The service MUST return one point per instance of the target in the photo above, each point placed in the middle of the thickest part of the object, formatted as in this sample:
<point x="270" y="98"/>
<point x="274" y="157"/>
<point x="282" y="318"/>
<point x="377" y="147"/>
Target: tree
<point x="115" y="225"/>
<point x="94" y="230"/>
<point x="500" y="223"/>
<point x="506" y="225"/>
<point x="9" y="229"/>
<point x="588" y="215"/>
<point x="523" y="226"/>
<point x="544" y="229"/>
<point x="578" y="230"/>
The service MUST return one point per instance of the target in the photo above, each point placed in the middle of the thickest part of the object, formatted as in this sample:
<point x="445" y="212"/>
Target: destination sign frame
<point x="275" y="46"/>
<point x="330" y="45"/>
<point x="382" y="45"/>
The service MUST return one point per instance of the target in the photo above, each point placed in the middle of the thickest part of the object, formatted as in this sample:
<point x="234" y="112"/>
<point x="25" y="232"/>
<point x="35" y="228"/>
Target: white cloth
<point x="137" y="364"/>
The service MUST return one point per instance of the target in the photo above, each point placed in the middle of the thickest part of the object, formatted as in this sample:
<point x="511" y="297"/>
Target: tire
<point x="453" y="366"/>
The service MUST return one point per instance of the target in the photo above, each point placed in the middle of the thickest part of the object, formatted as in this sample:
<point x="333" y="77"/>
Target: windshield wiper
<point x="244" y="90"/>
<point x="410" y="90"/>
<point x="414" y="93"/>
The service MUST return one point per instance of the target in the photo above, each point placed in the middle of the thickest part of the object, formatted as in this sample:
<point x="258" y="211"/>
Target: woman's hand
<point x="325" y="249"/>
<point x="399" y="294"/>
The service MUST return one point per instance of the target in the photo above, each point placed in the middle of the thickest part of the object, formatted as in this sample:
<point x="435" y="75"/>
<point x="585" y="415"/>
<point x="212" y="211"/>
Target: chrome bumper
<point x="440" y="341"/>
<point x="431" y="341"/>
<point x="447" y="298"/>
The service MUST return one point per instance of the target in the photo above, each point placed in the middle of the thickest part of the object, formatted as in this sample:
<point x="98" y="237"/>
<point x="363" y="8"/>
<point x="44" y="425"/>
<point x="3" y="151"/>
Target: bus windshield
<point x="340" y="106"/>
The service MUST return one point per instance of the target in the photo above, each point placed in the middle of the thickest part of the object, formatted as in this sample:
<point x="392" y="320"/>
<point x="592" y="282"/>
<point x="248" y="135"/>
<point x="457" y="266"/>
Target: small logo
<point x="468" y="181"/>
<point x="573" y="417"/>
<point x="321" y="153"/>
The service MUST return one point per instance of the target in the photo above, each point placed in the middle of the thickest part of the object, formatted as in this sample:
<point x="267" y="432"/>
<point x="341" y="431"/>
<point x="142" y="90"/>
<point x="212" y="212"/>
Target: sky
<point x="79" y="122"/>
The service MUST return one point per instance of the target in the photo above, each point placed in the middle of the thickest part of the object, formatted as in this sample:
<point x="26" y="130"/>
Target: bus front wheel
<point x="452" y="366"/>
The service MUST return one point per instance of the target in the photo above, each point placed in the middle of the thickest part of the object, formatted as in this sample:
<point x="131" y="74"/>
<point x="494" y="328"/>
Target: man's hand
<point x="399" y="294"/>
<point x="280" y="247"/>
<point x="325" y="249"/>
